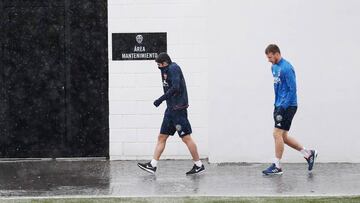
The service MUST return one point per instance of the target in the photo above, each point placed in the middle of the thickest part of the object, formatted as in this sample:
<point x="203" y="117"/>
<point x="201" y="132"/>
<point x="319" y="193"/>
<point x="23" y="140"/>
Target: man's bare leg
<point x="275" y="168"/>
<point x="291" y="142"/>
<point x="160" y="146"/>
<point x="279" y="142"/>
<point x="198" y="165"/>
<point x="191" y="146"/>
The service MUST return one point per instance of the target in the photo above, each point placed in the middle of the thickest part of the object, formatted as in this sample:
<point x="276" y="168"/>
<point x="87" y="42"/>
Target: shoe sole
<point x="145" y="169"/>
<point x="315" y="156"/>
<point x="196" y="173"/>
<point x="273" y="174"/>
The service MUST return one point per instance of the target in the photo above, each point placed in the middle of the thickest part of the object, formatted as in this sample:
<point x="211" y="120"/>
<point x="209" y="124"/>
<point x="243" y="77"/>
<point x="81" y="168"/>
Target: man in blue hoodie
<point x="285" y="109"/>
<point x="175" y="118"/>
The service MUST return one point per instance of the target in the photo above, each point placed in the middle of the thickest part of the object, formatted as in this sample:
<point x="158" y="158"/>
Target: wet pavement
<point x="125" y="179"/>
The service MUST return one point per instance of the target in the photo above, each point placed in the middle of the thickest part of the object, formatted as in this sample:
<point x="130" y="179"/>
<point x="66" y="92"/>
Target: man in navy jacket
<point x="175" y="118"/>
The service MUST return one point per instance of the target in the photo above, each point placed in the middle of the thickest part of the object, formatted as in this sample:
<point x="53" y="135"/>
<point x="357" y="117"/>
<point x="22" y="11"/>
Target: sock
<point x="153" y="162"/>
<point x="198" y="163"/>
<point x="277" y="163"/>
<point x="305" y="152"/>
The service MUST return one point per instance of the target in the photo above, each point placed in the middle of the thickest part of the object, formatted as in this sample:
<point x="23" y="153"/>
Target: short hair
<point x="163" y="57"/>
<point x="272" y="48"/>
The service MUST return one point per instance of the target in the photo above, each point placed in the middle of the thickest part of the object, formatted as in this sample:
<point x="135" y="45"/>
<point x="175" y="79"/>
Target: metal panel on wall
<point x="53" y="79"/>
<point x="88" y="105"/>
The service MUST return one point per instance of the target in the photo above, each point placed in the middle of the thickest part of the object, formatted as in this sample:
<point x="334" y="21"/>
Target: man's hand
<point x="157" y="102"/>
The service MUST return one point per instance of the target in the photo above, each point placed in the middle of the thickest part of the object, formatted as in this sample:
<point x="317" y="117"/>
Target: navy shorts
<point x="176" y="121"/>
<point x="283" y="117"/>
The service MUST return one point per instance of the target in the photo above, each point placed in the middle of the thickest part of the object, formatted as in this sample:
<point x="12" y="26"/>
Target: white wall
<point x="220" y="47"/>
<point x="321" y="39"/>
<point x="134" y="85"/>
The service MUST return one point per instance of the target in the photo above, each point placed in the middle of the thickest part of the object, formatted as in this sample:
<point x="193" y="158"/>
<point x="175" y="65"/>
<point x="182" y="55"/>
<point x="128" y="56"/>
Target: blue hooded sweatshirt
<point x="284" y="84"/>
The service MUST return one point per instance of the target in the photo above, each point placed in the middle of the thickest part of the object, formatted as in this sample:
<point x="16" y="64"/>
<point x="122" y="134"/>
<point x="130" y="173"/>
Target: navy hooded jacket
<point x="174" y="85"/>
